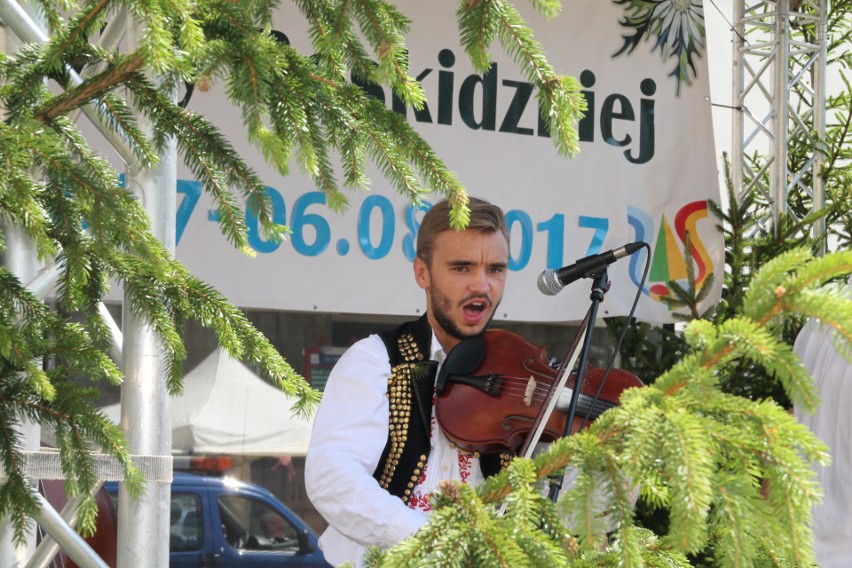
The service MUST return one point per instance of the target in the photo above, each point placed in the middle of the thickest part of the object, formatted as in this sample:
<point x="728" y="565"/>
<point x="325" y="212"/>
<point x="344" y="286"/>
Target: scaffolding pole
<point x="779" y="88"/>
<point x="143" y="524"/>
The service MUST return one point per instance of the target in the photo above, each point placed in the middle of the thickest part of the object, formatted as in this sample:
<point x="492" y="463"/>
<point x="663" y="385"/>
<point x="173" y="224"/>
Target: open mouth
<point x="473" y="310"/>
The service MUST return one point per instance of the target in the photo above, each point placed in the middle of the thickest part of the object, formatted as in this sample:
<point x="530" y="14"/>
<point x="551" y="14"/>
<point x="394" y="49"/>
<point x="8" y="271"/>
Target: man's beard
<point x="441" y="309"/>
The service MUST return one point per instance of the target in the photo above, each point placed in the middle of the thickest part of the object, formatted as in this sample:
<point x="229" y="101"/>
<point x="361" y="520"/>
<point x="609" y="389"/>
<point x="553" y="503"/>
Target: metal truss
<point x="779" y="85"/>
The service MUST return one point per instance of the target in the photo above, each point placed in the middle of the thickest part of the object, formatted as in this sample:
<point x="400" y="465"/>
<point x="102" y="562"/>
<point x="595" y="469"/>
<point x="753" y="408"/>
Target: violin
<point x="492" y="390"/>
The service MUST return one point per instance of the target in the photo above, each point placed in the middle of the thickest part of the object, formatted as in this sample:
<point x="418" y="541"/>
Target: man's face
<point x="464" y="283"/>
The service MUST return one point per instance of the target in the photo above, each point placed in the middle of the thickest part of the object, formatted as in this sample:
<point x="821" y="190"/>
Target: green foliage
<point x="559" y="96"/>
<point x="649" y="350"/>
<point x="464" y="531"/>
<point x="30" y="332"/>
<point x="750" y="242"/>
<point x="734" y="474"/>
<point x="296" y="107"/>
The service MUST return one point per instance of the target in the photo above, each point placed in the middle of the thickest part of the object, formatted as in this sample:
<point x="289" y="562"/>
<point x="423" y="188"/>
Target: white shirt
<point x="832" y="422"/>
<point x="349" y="434"/>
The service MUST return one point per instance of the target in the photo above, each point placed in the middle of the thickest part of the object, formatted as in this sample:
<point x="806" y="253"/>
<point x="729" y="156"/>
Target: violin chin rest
<point x="463" y="359"/>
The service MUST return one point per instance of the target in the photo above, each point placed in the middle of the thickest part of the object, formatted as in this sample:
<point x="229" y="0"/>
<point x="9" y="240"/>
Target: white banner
<point x="645" y="172"/>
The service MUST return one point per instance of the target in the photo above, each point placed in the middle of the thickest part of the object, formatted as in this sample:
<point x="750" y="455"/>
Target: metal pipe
<point x="43" y="280"/>
<point x="116" y="350"/>
<point x="738" y="98"/>
<point x="20" y="259"/>
<point x="46" y="277"/>
<point x="781" y="116"/>
<point x="71" y="542"/>
<point x="143" y="524"/>
<point x="112" y="34"/>
<point x="49" y="547"/>
<point x="820" y="93"/>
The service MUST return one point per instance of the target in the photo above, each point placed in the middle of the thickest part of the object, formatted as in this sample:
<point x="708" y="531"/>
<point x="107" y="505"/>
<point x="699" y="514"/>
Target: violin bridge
<point x="528" y="393"/>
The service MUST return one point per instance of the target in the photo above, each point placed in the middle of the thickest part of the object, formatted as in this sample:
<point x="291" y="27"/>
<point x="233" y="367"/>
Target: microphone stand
<point x="600" y="285"/>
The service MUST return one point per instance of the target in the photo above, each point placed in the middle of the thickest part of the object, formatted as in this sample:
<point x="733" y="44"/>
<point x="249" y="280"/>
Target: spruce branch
<point x="214" y="162"/>
<point x="333" y="34"/>
<point x="20" y="198"/>
<point x="53" y="12"/>
<point x="560" y="100"/>
<point x="119" y="116"/>
<point x="91" y="88"/>
<point x="50" y="398"/>
<point x="384" y="27"/>
<point x="73" y="35"/>
<point x="692" y="295"/>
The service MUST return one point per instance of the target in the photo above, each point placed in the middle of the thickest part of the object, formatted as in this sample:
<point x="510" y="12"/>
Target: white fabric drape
<point x="832" y="422"/>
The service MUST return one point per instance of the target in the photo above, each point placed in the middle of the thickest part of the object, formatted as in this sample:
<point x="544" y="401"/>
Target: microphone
<point x="550" y="282"/>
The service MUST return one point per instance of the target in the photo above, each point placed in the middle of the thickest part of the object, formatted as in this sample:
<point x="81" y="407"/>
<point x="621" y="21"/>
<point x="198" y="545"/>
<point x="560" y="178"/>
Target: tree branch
<point x="88" y="90"/>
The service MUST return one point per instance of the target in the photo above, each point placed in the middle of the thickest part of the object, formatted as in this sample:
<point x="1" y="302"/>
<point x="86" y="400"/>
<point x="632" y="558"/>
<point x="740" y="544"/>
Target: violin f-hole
<point x="510" y="422"/>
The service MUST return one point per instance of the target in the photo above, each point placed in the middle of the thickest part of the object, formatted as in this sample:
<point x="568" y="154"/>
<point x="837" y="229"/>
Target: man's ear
<point x="421" y="273"/>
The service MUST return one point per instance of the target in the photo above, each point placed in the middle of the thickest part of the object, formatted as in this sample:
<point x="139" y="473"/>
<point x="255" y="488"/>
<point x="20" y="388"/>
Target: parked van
<point x="221" y="522"/>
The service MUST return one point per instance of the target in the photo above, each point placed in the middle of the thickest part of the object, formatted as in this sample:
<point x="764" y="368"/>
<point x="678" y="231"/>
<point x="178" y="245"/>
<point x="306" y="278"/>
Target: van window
<point x="186" y="530"/>
<point x="249" y="524"/>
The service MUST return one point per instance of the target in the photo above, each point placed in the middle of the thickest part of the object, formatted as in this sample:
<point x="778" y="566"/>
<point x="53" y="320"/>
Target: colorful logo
<point x="668" y="262"/>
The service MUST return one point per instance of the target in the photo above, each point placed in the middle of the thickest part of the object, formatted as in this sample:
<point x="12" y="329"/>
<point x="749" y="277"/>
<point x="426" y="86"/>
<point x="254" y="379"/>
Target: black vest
<point x="410" y="389"/>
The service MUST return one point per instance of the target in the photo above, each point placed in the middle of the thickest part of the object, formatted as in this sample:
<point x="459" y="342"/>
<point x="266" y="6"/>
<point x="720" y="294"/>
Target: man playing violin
<point x="377" y="454"/>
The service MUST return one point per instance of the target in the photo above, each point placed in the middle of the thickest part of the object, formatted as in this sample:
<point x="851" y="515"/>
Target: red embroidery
<point x="464" y="466"/>
<point x="422" y="479"/>
<point x="420" y="501"/>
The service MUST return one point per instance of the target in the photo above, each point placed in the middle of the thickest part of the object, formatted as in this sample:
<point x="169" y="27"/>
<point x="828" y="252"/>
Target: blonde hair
<point x="484" y="217"/>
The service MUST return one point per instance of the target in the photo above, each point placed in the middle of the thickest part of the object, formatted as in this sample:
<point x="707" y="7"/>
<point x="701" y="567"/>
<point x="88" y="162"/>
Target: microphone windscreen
<point x="548" y="283"/>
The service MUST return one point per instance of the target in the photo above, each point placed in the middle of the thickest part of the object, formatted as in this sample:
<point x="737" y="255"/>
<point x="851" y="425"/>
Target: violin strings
<point x="516" y="386"/>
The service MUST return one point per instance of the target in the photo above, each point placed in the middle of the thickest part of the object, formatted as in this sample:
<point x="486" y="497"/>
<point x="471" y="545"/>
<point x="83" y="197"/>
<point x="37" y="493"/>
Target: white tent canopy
<point x="226" y="408"/>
